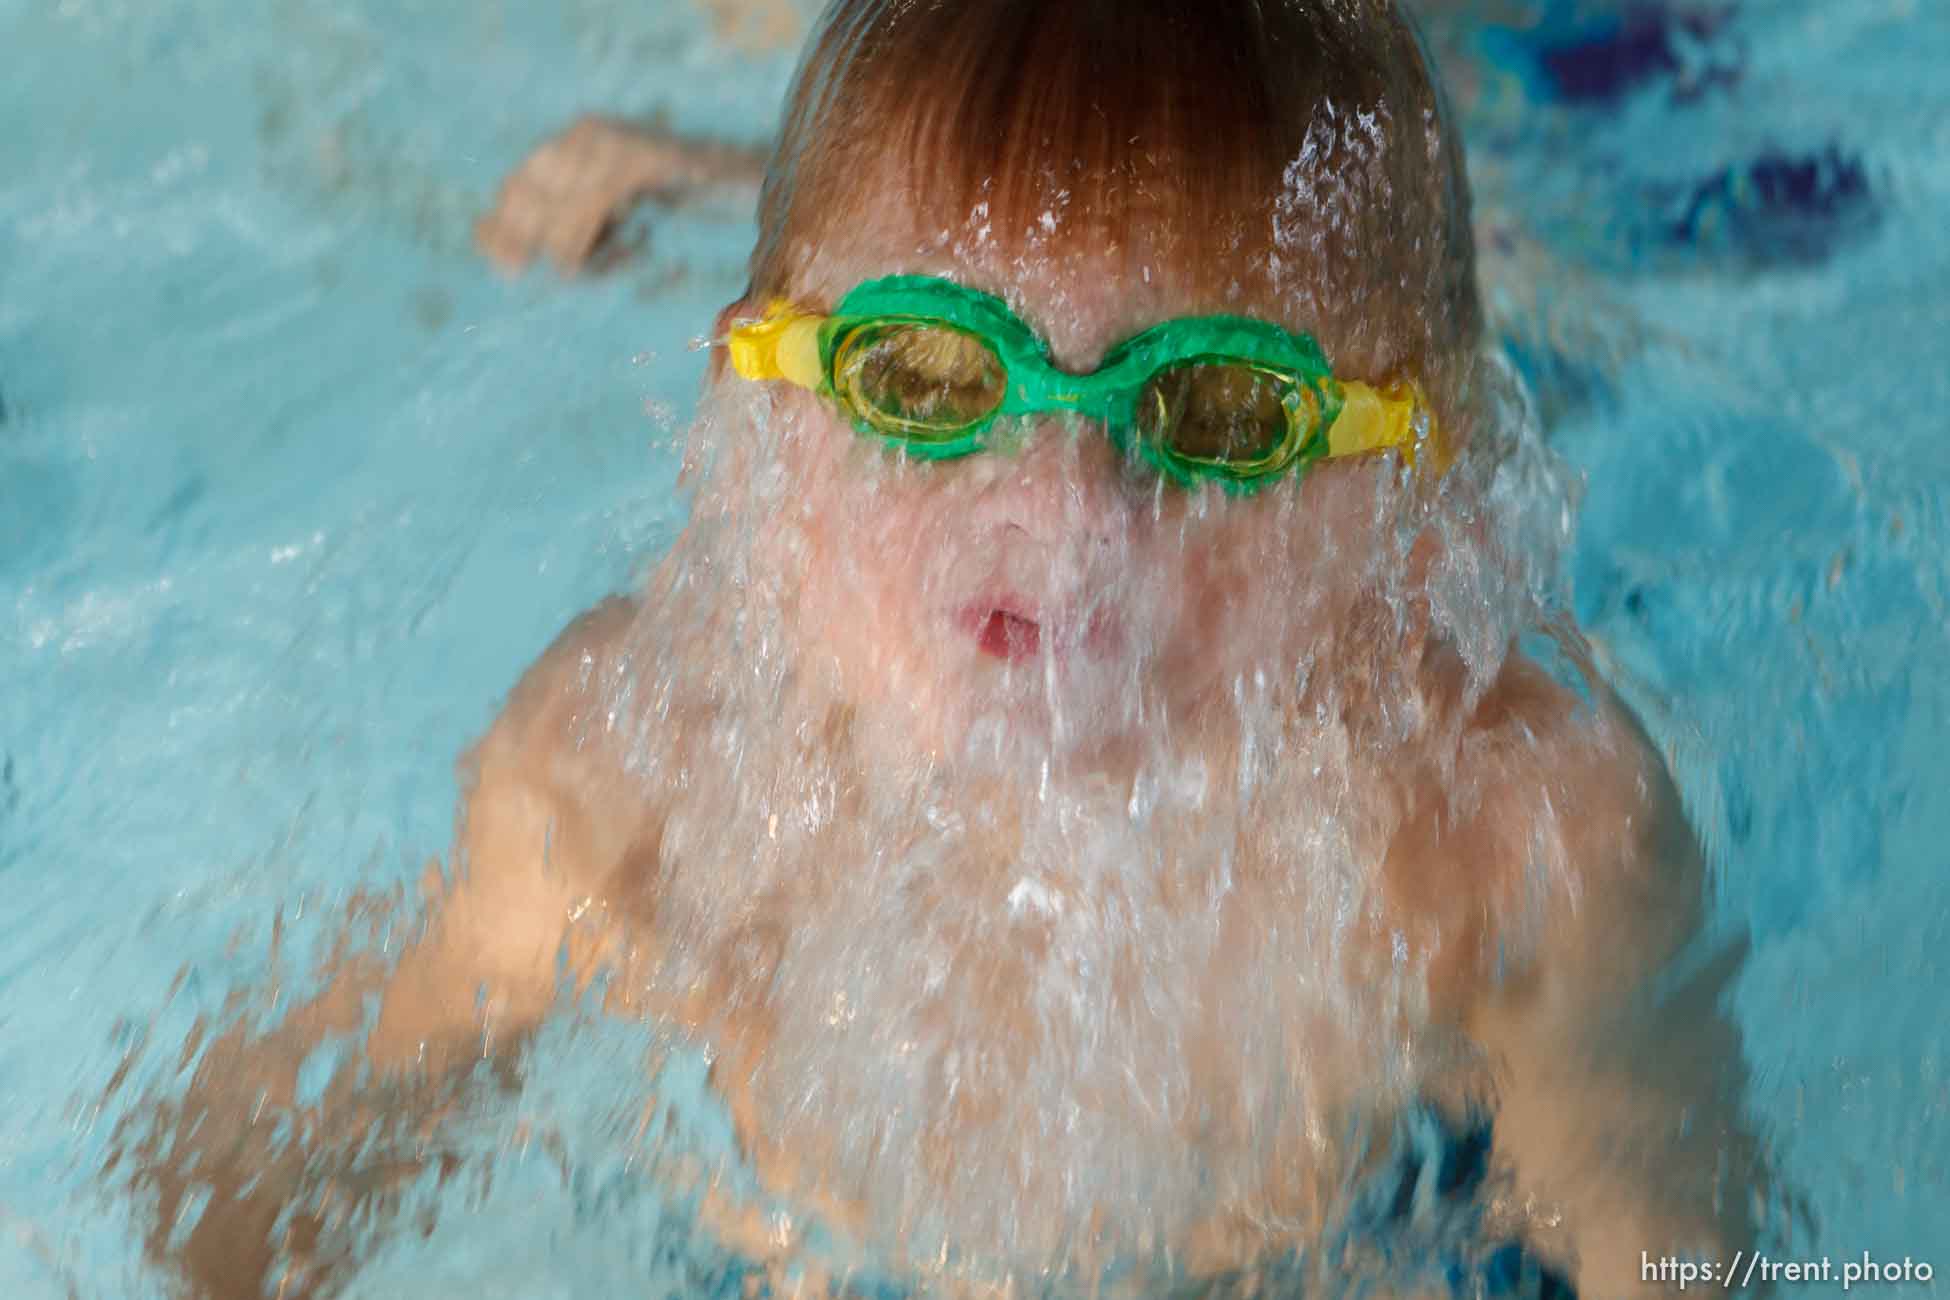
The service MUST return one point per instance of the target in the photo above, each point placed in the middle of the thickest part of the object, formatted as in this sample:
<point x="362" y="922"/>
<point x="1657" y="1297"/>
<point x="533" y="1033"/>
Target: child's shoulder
<point x="1601" y="779"/>
<point x="556" y="694"/>
<point x="1552" y="824"/>
<point x="550" y="767"/>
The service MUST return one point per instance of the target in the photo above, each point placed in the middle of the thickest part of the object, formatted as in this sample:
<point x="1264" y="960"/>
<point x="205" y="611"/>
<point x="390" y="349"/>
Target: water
<point x="291" y="490"/>
<point x="1759" y="550"/>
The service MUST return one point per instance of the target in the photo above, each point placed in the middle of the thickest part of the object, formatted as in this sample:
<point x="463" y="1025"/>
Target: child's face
<point x="1050" y="585"/>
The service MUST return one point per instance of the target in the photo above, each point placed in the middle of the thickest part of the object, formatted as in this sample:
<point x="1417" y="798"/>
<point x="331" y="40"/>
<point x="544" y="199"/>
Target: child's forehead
<point x="1082" y="296"/>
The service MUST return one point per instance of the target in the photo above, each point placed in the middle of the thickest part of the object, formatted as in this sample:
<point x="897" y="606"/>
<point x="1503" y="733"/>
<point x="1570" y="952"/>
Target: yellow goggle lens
<point x="918" y="380"/>
<point x="1241" y="417"/>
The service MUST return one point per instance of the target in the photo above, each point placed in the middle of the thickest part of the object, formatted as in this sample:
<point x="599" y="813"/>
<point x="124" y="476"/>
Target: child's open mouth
<point x="1014" y="630"/>
<point x="1007" y="635"/>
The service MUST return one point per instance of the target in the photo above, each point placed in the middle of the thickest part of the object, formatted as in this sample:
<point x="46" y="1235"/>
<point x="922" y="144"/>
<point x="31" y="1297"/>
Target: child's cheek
<point x="1262" y="578"/>
<point x="812" y="438"/>
<point x="865" y="533"/>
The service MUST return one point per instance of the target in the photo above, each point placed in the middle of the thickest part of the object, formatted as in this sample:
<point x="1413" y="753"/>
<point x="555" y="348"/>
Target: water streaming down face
<point x="1023" y="816"/>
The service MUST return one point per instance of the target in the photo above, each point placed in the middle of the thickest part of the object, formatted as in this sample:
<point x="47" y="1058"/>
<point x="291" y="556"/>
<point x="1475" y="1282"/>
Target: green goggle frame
<point x="1148" y="391"/>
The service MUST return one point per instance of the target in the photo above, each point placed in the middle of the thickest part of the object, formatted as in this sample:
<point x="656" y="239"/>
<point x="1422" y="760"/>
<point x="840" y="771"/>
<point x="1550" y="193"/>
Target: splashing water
<point x="1067" y="951"/>
<point x="278" y="528"/>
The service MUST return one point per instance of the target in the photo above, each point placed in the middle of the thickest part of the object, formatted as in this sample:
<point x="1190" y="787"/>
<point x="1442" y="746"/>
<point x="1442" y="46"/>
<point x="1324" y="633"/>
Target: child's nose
<point x="1065" y="483"/>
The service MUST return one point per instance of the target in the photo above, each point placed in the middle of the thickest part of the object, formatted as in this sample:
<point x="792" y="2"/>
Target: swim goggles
<point x="929" y="366"/>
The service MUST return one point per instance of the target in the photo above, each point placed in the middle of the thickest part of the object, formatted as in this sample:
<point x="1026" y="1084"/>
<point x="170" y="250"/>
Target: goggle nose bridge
<point x="1109" y="393"/>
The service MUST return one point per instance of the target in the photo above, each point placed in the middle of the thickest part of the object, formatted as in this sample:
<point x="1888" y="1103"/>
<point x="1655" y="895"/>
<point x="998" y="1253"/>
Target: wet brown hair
<point x="1303" y="137"/>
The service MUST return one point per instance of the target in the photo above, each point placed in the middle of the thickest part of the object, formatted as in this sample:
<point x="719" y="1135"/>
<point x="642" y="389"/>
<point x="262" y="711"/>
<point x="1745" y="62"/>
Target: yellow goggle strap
<point x="784" y="344"/>
<point x="1373" y="419"/>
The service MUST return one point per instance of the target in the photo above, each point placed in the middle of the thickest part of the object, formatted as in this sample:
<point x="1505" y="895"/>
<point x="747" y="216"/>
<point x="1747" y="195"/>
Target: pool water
<point x="292" y="488"/>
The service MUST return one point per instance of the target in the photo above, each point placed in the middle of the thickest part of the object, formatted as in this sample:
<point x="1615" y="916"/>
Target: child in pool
<point x="1074" y="768"/>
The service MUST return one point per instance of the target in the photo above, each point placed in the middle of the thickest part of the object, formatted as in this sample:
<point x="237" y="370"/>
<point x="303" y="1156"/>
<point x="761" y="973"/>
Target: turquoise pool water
<point x="1753" y="387"/>
<point x="292" y="488"/>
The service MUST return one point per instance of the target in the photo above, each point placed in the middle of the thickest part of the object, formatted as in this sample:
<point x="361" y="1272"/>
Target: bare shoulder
<point x="1616" y="1109"/>
<point x="545" y="815"/>
<point x="545" y="786"/>
<point x="552" y="702"/>
<point x="1552" y="837"/>
<point x="1603" y="791"/>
